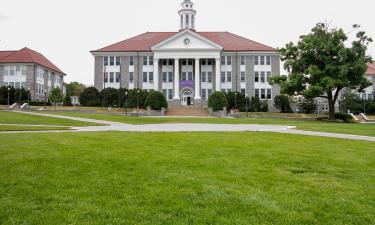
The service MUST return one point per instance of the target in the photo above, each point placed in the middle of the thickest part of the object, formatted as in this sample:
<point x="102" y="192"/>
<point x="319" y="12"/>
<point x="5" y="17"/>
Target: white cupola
<point x="187" y="15"/>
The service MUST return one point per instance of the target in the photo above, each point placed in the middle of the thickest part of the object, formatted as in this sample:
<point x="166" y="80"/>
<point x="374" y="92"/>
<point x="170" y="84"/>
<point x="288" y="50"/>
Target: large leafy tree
<point x="322" y="64"/>
<point x="90" y="97"/>
<point x="74" y="88"/>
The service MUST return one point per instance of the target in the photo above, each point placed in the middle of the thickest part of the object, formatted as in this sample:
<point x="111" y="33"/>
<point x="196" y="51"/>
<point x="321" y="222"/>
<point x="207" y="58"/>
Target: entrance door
<point x="187" y="98"/>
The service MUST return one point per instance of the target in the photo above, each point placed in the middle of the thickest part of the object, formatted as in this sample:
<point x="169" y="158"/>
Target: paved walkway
<point x="190" y="127"/>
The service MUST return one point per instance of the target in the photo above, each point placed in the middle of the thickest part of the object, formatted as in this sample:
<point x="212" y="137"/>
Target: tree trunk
<point x="331" y="106"/>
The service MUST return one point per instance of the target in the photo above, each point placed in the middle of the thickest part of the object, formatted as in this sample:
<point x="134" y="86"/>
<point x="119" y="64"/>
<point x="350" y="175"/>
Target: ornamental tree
<point x="322" y="64"/>
<point x="55" y="96"/>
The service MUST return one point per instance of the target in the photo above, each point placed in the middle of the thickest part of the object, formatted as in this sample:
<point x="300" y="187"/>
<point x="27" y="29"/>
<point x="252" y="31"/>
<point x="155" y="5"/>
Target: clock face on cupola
<point x="187" y="41"/>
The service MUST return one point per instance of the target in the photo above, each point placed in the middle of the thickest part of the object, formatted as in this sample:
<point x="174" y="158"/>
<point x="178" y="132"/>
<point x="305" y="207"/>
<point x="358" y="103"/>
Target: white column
<point x="176" y="79"/>
<point x="197" y="81"/>
<point x="183" y="21"/>
<point x="217" y="74"/>
<point x="156" y="74"/>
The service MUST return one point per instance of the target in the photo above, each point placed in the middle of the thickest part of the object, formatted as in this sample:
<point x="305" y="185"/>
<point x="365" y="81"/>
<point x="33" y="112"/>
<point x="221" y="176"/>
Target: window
<point x="229" y="76"/>
<point x="268" y="76"/>
<point x="229" y="60"/>
<point x="151" y="60"/>
<point x="105" y="77"/>
<point x="111" y="77"/>
<point x="117" y="60"/>
<point x="6" y="70"/>
<point x="18" y="68"/>
<point x="145" y="60"/>
<point x="170" y="94"/>
<point x="165" y="92"/>
<point x="111" y="60"/>
<point x="262" y="93"/>
<point x="209" y="77"/>
<point x="256" y="76"/>
<point x="203" y="62"/>
<point x="12" y="71"/>
<point x="243" y="91"/>
<point x="190" y="75"/>
<point x="261" y="60"/>
<point x="209" y="92"/>
<point x="117" y="77"/>
<point x="151" y="77"/>
<point x="243" y="77"/>
<point x="187" y="19"/>
<point x="257" y="93"/>
<point x="204" y="94"/>
<point x="165" y="74"/>
<point x="105" y="61"/>
<point x="183" y="76"/>
<point x="131" y="61"/>
<point x="144" y="77"/>
<point x="24" y="68"/>
<point x="256" y="60"/>
<point x="170" y="78"/>
<point x="223" y="90"/>
<point x="268" y="60"/>
<point x="262" y="77"/>
<point x="242" y="60"/>
<point x="131" y="77"/>
<point x="269" y="94"/>
<point x="223" y="60"/>
<point x="204" y="77"/>
<point x="222" y="77"/>
<point x="209" y="62"/>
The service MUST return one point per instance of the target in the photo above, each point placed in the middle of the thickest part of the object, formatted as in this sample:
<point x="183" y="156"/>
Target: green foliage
<point x="321" y="64"/>
<point x="307" y="105"/>
<point x="352" y="102"/>
<point x="39" y="103"/>
<point x="55" y="96"/>
<point x="236" y="100"/>
<point x="156" y="100"/>
<point x="344" y="117"/>
<point x="256" y="105"/>
<point x="137" y="97"/>
<point x="74" y="88"/>
<point x="282" y="103"/>
<point x="217" y="101"/>
<point x="67" y="100"/>
<point x="90" y="97"/>
<point x="14" y="95"/>
<point x="109" y="97"/>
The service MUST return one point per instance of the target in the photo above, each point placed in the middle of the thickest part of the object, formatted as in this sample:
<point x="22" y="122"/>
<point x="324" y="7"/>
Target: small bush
<point x="217" y="101"/>
<point x="156" y="100"/>
<point x="344" y="117"/>
<point x="282" y="103"/>
<point x="90" y="97"/>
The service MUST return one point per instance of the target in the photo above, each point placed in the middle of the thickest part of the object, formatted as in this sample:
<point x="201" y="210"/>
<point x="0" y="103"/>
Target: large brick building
<point x="189" y="65"/>
<point x="31" y="70"/>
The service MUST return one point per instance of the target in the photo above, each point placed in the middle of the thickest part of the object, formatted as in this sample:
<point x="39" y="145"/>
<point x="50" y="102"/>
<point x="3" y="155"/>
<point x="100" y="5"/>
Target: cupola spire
<point x="187" y="15"/>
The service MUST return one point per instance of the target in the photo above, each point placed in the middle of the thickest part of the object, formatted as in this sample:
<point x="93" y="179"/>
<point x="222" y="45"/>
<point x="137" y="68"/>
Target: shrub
<point x="67" y="100"/>
<point x="39" y="103"/>
<point x="307" y="105"/>
<point x="217" y="101"/>
<point x="90" y="97"/>
<point x="282" y="103"/>
<point x="344" y="117"/>
<point x="156" y="100"/>
<point x="109" y="97"/>
<point x="236" y="101"/>
<point x="137" y="94"/>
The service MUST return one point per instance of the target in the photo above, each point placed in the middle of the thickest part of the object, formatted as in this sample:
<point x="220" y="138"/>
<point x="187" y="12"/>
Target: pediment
<point x="186" y="40"/>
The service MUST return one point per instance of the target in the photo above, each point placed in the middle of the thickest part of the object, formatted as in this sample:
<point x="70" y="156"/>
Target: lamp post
<point x="8" y="96"/>
<point x="138" y="100"/>
<point x="247" y="109"/>
<point x="126" y="102"/>
<point x="45" y="98"/>
<point x="235" y="101"/>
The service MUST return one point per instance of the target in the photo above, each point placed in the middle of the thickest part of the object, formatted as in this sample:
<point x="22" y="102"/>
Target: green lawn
<point x="302" y="124"/>
<point x="185" y="178"/>
<point x="30" y="128"/>
<point x="19" y="118"/>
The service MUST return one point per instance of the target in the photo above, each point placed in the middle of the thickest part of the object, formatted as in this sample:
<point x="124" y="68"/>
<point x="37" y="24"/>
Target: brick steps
<point x="187" y="111"/>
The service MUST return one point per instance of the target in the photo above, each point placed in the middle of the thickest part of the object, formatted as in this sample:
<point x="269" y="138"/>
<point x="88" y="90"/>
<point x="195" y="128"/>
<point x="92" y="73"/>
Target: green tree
<point x="236" y="101"/>
<point x="217" y="101"/>
<point x="156" y="100"/>
<point x="55" y="96"/>
<point x="321" y="64"/>
<point x="67" y="100"/>
<point x="306" y="105"/>
<point x="137" y="94"/>
<point x="109" y="97"/>
<point x="90" y="97"/>
<point x="282" y="103"/>
<point x="74" y="88"/>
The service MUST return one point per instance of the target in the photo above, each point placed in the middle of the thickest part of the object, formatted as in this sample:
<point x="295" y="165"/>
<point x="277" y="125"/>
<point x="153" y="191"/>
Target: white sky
<point x="66" y="30"/>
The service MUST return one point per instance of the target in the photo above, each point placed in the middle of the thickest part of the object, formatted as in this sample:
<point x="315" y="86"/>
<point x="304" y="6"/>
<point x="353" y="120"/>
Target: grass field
<point x="302" y="124"/>
<point x="185" y="178"/>
<point x="29" y="128"/>
<point x="19" y="118"/>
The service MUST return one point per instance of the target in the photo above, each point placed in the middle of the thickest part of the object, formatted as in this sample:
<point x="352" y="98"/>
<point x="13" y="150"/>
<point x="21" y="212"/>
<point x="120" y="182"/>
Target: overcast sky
<point x="66" y="30"/>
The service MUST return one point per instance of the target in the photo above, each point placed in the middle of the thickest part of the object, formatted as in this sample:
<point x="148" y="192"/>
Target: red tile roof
<point x="27" y="55"/>
<point x="144" y="42"/>
<point x="371" y="69"/>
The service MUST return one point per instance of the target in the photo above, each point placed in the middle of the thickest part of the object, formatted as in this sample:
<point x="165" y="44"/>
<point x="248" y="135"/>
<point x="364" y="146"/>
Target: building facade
<point x="369" y="93"/>
<point x="188" y="66"/>
<point x="30" y="70"/>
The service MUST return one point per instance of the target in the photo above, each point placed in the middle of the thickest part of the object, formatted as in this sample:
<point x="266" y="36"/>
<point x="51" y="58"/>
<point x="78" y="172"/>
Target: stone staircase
<point x="187" y="111"/>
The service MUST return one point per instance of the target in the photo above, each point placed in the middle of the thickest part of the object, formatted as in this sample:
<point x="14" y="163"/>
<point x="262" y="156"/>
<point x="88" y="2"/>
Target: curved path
<point x="190" y="127"/>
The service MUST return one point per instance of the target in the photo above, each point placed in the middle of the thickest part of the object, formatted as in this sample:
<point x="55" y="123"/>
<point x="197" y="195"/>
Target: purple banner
<point x="187" y="83"/>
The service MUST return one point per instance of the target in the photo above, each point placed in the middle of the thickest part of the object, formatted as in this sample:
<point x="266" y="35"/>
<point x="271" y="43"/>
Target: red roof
<point x="371" y="69"/>
<point x="27" y="55"/>
<point x="144" y="42"/>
